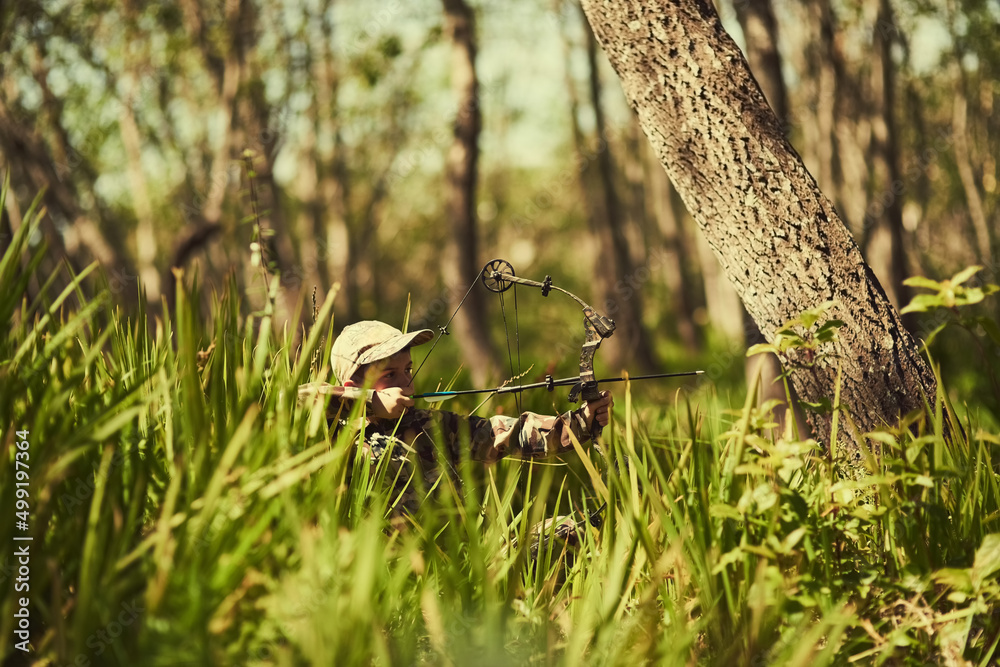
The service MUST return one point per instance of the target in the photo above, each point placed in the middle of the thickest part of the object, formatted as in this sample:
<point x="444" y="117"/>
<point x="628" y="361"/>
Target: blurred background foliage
<point x="135" y="117"/>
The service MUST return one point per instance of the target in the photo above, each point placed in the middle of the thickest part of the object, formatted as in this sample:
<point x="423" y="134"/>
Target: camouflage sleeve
<point x="530" y="436"/>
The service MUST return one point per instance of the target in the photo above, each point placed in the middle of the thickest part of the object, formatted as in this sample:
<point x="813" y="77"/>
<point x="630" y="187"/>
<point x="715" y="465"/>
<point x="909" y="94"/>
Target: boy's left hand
<point x="390" y="403"/>
<point x="599" y="410"/>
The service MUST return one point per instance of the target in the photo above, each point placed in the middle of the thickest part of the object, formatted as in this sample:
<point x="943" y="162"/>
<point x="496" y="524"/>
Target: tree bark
<point x="462" y="261"/>
<point x="760" y="32"/>
<point x="603" y="282"/>
<point x="778" y="238"/>
<point x="30" y="161"/>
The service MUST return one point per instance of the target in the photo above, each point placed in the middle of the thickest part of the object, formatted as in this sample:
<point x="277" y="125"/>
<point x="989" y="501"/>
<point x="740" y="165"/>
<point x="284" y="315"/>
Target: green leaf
<point x="759" y="550"/>
<point x="965" y="274"/>
<point x="809" y="318"/>
<point x="727" y="559"/>
<point x="762" y="348"/>
<point x="823" y="405"/>
<point x="921" y="303"/>
<point x="723" y="511"/>
<point x="829" y="325"/>
<point x="969" y="296"/>
<point x="883" y="437"/>
<point x="987" y="560"/>
<point x="926" y="283"/>
<point x="957" y="579"/>
<point x="933" y="334"/>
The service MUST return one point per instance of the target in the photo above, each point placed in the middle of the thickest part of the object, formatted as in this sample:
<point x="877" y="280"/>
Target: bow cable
<point x="517" y="342"/>
<point x="443" y="330"/>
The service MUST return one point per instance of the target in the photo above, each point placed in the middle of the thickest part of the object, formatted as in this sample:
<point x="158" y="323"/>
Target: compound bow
<point x="498" y="277"/>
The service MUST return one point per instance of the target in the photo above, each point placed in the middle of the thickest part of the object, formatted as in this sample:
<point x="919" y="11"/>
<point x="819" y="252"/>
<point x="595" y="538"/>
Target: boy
<point x="377" y="355"/>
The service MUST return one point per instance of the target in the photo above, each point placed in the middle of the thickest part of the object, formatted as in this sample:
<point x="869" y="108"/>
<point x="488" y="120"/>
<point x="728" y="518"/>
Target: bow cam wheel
<point x="493" y="275"/>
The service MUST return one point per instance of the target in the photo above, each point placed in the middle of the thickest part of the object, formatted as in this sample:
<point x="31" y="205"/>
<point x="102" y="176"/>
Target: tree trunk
<point x="204" y="214"/>
<point x="883" y="222"/>
<point x="823" y="71"/>
<point x="779" y="240"/>
<point x="81" y="240"/>
<point x="603" y="282"/>
<point x="330" y="211"/>
<point x="462" y="261"/>
<point x="963" y="161"/>
<point x="725" y="313"/>
<point x="852" y="129"/>
<point x="623" y="303"/>
<point x="675" y="265"/>
<point x="760" y="31"/>
<point x="145" y="231"/>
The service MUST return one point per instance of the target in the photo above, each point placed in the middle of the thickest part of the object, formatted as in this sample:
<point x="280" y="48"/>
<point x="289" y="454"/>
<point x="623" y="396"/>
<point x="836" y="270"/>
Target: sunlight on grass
<point x="175" y="475"/>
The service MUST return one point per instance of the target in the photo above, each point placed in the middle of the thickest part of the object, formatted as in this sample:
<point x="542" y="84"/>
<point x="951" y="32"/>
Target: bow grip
<point x="588" y="391"/>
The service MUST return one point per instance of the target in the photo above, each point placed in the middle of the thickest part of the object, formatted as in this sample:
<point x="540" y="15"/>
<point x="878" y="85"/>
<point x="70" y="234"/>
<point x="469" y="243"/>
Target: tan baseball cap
<point x="365" y="342"/>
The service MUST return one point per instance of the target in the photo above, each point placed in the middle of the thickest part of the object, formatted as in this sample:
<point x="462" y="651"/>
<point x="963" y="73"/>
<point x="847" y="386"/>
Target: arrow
<point x="549" y="383"/>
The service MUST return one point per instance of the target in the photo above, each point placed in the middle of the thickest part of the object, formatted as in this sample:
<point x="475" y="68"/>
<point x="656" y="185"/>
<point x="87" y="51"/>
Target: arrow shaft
<point x="548" y="384"/>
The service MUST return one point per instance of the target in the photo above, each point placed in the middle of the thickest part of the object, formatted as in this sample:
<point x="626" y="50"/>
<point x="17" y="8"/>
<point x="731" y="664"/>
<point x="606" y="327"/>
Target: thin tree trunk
<point x="461" y="262"/>
<point x="603" y="285"/>
<point x="760" y="31"/>
<point x="145" y="233"/>
<point x="204" y="217"/>
<point x="725" y="313"/>
<point x="328" y="203"/>
<point x="53" y="168"/>
<point x="26" y="155"/>
<point x="675" y="265"/>
<point x="778" y="238"/>
<point x="963" y="160"/>
<point x="248" y="133"/>
<point x="884" y="244"/>
<point x="631" y="344"/>
<point x="825" y="75"/>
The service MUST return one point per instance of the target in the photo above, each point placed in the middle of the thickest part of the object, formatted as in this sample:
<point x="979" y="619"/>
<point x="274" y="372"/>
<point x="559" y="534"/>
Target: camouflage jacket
<point x="414" y="467"/>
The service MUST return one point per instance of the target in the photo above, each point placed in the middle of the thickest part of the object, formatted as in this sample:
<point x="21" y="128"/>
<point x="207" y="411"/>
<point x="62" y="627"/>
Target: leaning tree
<point x="778" y="238"/>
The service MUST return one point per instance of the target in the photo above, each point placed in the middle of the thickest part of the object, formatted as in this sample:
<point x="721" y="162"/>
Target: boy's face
<point x="396" y="371"/>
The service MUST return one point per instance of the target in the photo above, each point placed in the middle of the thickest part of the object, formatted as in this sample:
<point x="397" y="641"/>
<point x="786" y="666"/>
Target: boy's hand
<point x="599" y="410"/>
<point x="390" y="403"/>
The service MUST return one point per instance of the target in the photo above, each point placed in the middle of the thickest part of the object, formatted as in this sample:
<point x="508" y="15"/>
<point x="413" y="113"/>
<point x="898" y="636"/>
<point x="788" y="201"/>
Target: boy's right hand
<point x="390" y="403"/>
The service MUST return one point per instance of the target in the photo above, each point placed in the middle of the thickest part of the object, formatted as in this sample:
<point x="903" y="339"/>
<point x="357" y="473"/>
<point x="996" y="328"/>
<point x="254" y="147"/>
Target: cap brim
<point x="394" y="345"/>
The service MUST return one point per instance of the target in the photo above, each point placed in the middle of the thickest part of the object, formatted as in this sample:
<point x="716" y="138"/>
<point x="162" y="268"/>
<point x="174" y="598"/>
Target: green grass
<point x="187" y="510"/>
